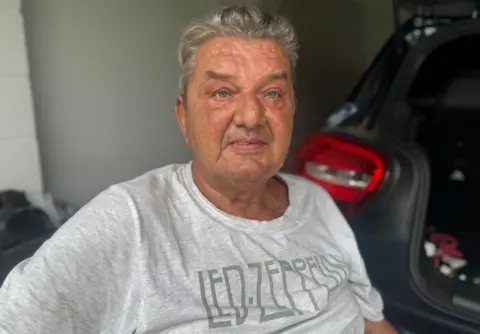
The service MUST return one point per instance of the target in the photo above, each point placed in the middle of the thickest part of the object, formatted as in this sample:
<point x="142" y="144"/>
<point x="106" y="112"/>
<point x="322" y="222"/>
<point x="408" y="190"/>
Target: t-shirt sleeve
<point x="369" y="299"/>
<point x="82" y="280"/>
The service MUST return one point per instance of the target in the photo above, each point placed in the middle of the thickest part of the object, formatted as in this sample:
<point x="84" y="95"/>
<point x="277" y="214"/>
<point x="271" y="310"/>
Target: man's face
<point x="238" y="113"/>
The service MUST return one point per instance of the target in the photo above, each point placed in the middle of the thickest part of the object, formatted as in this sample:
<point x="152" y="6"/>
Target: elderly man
<point x="223" y="243"/>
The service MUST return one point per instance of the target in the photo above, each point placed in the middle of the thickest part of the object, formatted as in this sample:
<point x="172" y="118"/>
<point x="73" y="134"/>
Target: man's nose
<point x="250" y="113"/>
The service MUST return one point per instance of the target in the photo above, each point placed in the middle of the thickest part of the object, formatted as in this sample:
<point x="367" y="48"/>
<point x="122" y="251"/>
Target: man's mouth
<point x="248" y="144"/>
<point x="253" y="141"/>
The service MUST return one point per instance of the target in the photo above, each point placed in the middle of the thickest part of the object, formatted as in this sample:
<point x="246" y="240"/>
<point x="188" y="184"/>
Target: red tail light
<point x="349" y="172"/>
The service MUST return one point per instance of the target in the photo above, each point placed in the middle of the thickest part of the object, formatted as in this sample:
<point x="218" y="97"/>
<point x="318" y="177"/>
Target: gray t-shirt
<point x="153" y="255"/>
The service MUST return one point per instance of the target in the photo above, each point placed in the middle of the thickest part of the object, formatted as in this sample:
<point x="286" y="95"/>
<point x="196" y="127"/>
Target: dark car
<point x="402" y="160"/>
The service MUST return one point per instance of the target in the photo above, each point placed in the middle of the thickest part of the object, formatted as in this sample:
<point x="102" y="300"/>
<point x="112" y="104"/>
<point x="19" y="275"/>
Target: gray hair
<point x="235" y="21"/>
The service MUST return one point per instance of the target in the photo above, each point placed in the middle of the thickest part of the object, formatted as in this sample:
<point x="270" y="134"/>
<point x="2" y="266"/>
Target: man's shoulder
<point x="309" y="198"/>
<point x="155" y="181"/>
<point x="297" y="185"/>
<point x="124" y="197"/>
<point x="120" y="204"/>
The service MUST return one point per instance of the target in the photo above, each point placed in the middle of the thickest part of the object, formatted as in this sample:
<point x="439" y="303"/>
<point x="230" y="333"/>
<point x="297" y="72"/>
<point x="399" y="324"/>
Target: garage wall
<point x="19" y="159"/>
<point x="104" y="77"/>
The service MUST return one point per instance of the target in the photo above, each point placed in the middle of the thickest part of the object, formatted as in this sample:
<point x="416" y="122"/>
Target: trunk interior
<point x="445" y="102"/>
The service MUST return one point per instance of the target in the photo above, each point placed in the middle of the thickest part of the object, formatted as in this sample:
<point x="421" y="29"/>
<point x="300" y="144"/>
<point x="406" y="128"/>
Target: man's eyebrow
<point x="210" y="74"/>
<point x="277" y="76"/>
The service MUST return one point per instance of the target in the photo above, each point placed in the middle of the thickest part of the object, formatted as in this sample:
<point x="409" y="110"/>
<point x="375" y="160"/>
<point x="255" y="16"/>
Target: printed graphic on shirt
<point x="274" y="289"/>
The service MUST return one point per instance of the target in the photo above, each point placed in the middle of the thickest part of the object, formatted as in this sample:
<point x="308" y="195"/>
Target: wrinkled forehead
<point x="247" y="59"/>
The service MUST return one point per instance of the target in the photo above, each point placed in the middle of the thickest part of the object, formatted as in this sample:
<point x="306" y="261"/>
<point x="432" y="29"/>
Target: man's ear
<point x="181" y="115"/>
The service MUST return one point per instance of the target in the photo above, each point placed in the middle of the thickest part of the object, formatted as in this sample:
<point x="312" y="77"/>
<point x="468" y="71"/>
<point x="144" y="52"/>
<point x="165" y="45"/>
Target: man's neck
<point x="257" y="201"/>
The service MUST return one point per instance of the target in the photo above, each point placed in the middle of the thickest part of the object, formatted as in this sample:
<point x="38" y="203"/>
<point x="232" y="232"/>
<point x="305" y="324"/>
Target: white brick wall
<point x="19" y="156"/>
<point x="10" y="4"/>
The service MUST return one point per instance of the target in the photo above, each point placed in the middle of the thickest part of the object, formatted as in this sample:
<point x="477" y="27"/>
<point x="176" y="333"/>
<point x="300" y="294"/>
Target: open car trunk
<point x="445" y="102"/>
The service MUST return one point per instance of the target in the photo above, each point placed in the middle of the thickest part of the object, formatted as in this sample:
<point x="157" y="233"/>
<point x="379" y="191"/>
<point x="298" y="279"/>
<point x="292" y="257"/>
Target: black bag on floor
<point x="20" y="221"/>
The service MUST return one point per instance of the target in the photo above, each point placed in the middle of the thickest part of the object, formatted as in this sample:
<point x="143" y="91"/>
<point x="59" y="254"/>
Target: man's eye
<point x="273" y="95"/>
<point x="223" y="93"/>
